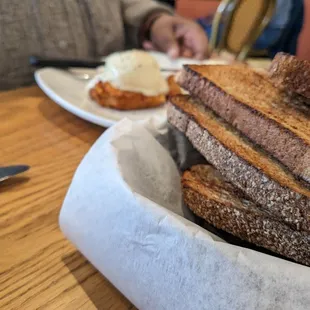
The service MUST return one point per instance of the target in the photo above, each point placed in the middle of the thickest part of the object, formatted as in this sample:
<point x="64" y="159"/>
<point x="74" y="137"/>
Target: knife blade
<point x="65" y="63"/>
<point x="10" y="171"/>
<point x="40" y="62"/>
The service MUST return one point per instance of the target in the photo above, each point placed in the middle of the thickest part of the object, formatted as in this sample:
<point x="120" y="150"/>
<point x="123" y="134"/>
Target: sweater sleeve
<point x="135" y="13"/>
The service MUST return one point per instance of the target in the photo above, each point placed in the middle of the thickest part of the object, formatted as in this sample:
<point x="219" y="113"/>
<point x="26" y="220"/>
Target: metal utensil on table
<point x="10" y="171"/>
<point x="66" y="63"/>
<point x="70" y="65"/>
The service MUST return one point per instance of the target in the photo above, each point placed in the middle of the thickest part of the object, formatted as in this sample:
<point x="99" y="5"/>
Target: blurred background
<point x="197" y="8"/>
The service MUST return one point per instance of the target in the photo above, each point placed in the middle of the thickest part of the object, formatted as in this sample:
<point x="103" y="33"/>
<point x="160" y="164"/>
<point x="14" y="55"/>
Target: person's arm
<point x="154" y="26"/>
<point x="138" y="16"/>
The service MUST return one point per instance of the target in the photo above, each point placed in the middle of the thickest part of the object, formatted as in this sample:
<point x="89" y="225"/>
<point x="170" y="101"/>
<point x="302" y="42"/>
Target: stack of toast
<point x="254" y="131"/>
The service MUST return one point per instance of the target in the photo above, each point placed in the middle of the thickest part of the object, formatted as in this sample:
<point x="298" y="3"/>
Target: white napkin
<point x="123" y="212"/>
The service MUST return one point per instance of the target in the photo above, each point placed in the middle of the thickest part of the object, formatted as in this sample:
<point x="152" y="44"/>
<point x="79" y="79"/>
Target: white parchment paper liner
<point x="122" y="211"/>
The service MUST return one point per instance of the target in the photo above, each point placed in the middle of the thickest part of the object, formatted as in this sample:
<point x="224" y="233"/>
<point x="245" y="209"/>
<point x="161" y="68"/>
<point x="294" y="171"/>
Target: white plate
<point x="70" y="93"/>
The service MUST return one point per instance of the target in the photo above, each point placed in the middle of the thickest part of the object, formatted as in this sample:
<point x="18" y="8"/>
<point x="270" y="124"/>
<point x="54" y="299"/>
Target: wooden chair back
<point x="238" y="24"/>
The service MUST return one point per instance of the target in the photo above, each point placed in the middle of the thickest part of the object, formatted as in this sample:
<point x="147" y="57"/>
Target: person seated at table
<point x="88" y="29"/>
<point x="281" y="35"/>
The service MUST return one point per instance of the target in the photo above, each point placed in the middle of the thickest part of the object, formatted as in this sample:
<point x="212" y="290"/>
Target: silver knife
<point x="10" y="171"/>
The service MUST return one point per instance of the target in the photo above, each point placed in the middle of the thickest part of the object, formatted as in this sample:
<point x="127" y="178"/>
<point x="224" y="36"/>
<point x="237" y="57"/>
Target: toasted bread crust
<point x="108" y="96"/>
<point x="249" y="102"/>
<point x="289" y="73"/>
<point x="210" y="197"/>
<point x="247" y="167"/>
<point x="174" y="88"/>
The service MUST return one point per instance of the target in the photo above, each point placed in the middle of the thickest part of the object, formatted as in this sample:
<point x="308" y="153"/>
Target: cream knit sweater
<point x="64" y="28"/>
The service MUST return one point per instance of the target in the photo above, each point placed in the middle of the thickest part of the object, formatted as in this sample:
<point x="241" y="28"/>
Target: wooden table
<point x="39" y="268"/>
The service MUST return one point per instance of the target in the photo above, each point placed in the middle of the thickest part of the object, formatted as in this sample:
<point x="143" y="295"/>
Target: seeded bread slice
<point x="215" y="200"/>
<point x="246" y="166"/>
<point x="289" y="73"/>
<point x="252" y="104"/>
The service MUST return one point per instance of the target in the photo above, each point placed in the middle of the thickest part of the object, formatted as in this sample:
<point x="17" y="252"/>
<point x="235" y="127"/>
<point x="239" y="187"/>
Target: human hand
<point x="178" y="37"/>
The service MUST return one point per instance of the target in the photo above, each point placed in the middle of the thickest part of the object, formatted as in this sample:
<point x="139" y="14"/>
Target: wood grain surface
<point x="39" y="268"/>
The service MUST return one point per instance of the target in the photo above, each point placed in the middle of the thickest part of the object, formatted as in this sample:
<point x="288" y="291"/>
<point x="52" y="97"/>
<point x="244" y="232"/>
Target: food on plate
<point x="211" y="197"/>
<point x="105" y="94"/>
<point x="256" y="140"/>
<point x="289" y="73"/>
<point x="248" y="100"/>
<point x="130" y="80"/>
<point x="174" y="87"/>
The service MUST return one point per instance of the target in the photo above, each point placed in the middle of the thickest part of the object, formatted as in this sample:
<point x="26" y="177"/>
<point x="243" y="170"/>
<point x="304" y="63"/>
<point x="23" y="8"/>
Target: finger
<point x="148" y="45"/>
<point x="166" y="45"/>
<point x="194" y="39"/>
<point x="200" y="56"/>
<point x="167" y="42"/>
<point x="174" y="51"/>
<point x="186" y="47"/>
<point x="198" y="47"/>
<point x="186" y="52"/>
<point x="201" y="45"/>
<point x="180" y="31"/>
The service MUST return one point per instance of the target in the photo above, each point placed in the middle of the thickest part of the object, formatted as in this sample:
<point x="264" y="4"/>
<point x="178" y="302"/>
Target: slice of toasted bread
<point x="108" y="96"/>
<point x="215" y="200"/>
<point x="289" y="73"/>
<point x="248" y="167"/>
<point x="252" y="104"/>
